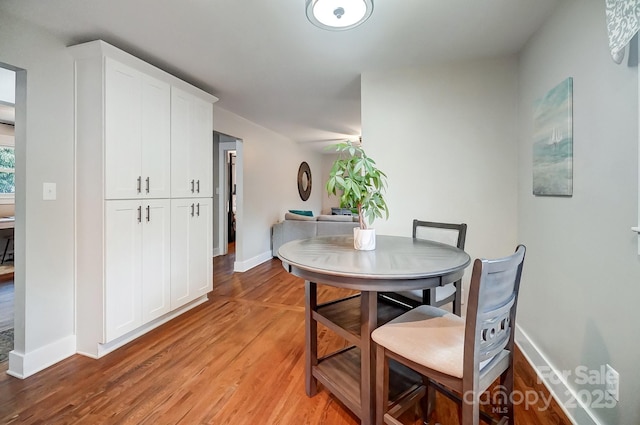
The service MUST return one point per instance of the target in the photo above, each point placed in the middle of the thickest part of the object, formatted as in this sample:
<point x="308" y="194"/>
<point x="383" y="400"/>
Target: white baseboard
<point x="23" y="365"/>
<point x="217" y="252"/>
<point x="243" y="266"/>
<point x="567" y="399"/>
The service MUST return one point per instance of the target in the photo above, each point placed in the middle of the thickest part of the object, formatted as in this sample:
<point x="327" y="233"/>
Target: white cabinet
<point x="137" y="133"/>
<point x="137" y="254"/>
<point x="123" y="292"/>
<point x="156" y="258"/>
<point x="191" y="145"/>
<point x="191" y="249"/>
<point x="123" y="158"/>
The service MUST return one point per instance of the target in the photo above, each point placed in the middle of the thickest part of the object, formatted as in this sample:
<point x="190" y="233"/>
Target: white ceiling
<point x="267" y="63"/>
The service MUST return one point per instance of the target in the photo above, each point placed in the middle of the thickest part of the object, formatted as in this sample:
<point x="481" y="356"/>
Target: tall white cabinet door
<point x="156" y="138"/>
<point x="191" y="145"/>
<point x="156" y="260"/>
<point x="191" y="259"/>
<point x="181" y="216"/>
<point x="123" y="292"/>
<point x="123" y="152"/>
<point x="182" y="182"/>
<point x="201" y="152"/>
<point x="200" y="248"/>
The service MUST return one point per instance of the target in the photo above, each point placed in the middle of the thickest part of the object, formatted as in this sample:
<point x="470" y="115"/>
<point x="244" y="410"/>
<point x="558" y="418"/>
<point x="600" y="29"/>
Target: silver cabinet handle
<point x="148" y="213"/>
<point x="198" y="186"/>
<point x="192" y="206"/>
<point x="198" y="210"/>
<point x="140" y="214"/>
<point x="192" y="183"/>
<point x="147" y="180"/>
<point x="139" y="184"/>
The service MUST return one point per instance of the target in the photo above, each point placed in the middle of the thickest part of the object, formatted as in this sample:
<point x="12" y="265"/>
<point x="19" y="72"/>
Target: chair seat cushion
<point x="428" y="336"/>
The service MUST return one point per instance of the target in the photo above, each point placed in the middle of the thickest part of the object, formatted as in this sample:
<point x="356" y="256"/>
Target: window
<point x="7" y="171"/>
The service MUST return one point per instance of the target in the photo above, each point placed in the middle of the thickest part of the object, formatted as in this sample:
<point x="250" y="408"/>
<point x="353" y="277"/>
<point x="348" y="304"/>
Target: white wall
<point x="44" y="229"/>
<point x="269" y="183"/>
<point x="445" y="137"/>
<point x="580" y="292"/>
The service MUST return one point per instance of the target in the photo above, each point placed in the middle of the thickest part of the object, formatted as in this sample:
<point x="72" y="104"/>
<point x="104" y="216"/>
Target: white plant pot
<point x="364" y="239"/>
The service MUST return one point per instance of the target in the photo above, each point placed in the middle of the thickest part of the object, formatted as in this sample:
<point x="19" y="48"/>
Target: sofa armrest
<point x="290" y="230"/>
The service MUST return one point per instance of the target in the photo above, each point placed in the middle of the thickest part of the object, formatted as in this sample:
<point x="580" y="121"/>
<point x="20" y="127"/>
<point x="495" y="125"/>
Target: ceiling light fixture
<point x="338" y="15"/>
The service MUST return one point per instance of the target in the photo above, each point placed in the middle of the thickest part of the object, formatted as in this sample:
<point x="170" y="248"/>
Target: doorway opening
<point x="230" y="201"/>
<point x="228" y="193"/>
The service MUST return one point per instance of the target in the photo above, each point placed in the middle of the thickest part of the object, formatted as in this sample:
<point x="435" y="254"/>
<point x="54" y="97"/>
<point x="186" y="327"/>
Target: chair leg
<point x="428" y="296"/>
<point x="382" y="384"/>
<point x="6" y="247"/>
<point x="428" y="402"/>
<point x="457" y="301"/>
<point x="506" y="380"/>
<point x="470" y="409"/>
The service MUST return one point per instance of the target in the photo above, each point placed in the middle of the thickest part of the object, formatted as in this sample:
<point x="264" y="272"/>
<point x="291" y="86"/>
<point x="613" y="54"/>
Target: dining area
<point x="406" y="334"/>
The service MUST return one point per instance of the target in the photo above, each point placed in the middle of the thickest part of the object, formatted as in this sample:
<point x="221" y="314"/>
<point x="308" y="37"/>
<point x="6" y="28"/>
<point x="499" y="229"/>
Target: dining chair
<point x="451" y="234"/>
<point x="460" y="357"/>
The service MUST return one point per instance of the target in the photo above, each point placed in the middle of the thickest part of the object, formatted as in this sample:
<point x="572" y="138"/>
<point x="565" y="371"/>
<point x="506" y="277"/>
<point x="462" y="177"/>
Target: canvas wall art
<point x="553" y="142"/>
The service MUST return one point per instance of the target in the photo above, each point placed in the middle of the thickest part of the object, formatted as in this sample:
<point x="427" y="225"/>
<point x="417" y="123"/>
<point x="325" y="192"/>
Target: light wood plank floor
<point x="237" y="359"/>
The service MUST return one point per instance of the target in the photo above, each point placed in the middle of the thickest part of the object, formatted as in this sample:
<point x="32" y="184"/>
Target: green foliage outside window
<point x="7" y="170"/>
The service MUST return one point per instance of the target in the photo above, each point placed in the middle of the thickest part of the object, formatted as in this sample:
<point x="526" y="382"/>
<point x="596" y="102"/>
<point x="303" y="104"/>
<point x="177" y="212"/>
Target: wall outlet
<point x="612" y="382"/>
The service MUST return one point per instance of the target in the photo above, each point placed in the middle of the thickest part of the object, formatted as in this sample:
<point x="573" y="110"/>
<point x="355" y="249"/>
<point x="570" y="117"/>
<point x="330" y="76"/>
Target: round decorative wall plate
<point x="304" y="181"/>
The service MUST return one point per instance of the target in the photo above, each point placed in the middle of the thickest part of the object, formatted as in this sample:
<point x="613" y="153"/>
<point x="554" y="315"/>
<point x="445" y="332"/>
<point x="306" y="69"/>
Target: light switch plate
<point x="48" y="191"/>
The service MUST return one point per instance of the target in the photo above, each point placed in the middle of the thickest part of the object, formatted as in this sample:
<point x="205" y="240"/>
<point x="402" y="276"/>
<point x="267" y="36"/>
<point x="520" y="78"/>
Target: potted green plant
<point x="362" y="185"/>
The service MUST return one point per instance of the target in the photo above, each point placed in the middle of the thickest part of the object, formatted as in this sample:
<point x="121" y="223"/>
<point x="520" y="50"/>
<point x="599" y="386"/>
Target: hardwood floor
<point x="237" y="359"/>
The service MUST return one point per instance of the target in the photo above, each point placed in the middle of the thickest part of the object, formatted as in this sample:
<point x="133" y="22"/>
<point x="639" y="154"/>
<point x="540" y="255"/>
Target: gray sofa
<point x="295" y="227"/>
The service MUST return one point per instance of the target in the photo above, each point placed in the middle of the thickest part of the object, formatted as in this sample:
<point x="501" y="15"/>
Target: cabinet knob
<point x="140" y="214"/>
<point x="198" y="186"/>
<point x="139" y="186"/>
<point x="148" y="179"/>
<point x="192" y="185"/>
<point x="192" y="209"/>
<point x="148" y="213"/>
<point x="198" y="209"/>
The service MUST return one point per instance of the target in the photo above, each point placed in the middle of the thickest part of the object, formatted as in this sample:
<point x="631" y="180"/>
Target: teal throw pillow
<point x="302" y="212"/>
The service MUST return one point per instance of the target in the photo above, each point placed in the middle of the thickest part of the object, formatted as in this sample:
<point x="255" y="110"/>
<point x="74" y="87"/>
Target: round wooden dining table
<point x="397" y="264"/>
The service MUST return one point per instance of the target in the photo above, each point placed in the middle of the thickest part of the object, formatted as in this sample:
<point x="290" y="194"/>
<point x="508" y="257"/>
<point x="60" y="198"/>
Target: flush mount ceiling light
<point x="338" y="15"/>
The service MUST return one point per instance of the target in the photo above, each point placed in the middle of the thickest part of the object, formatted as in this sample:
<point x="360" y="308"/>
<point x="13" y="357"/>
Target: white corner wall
<point x="269" y="178"/>
<point x="44" y="277"/>
<point x="445" y="136"/>
<point x="579" y="294"/>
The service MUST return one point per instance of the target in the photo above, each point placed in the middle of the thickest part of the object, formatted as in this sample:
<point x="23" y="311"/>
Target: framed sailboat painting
<point x="553" y="142"/>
